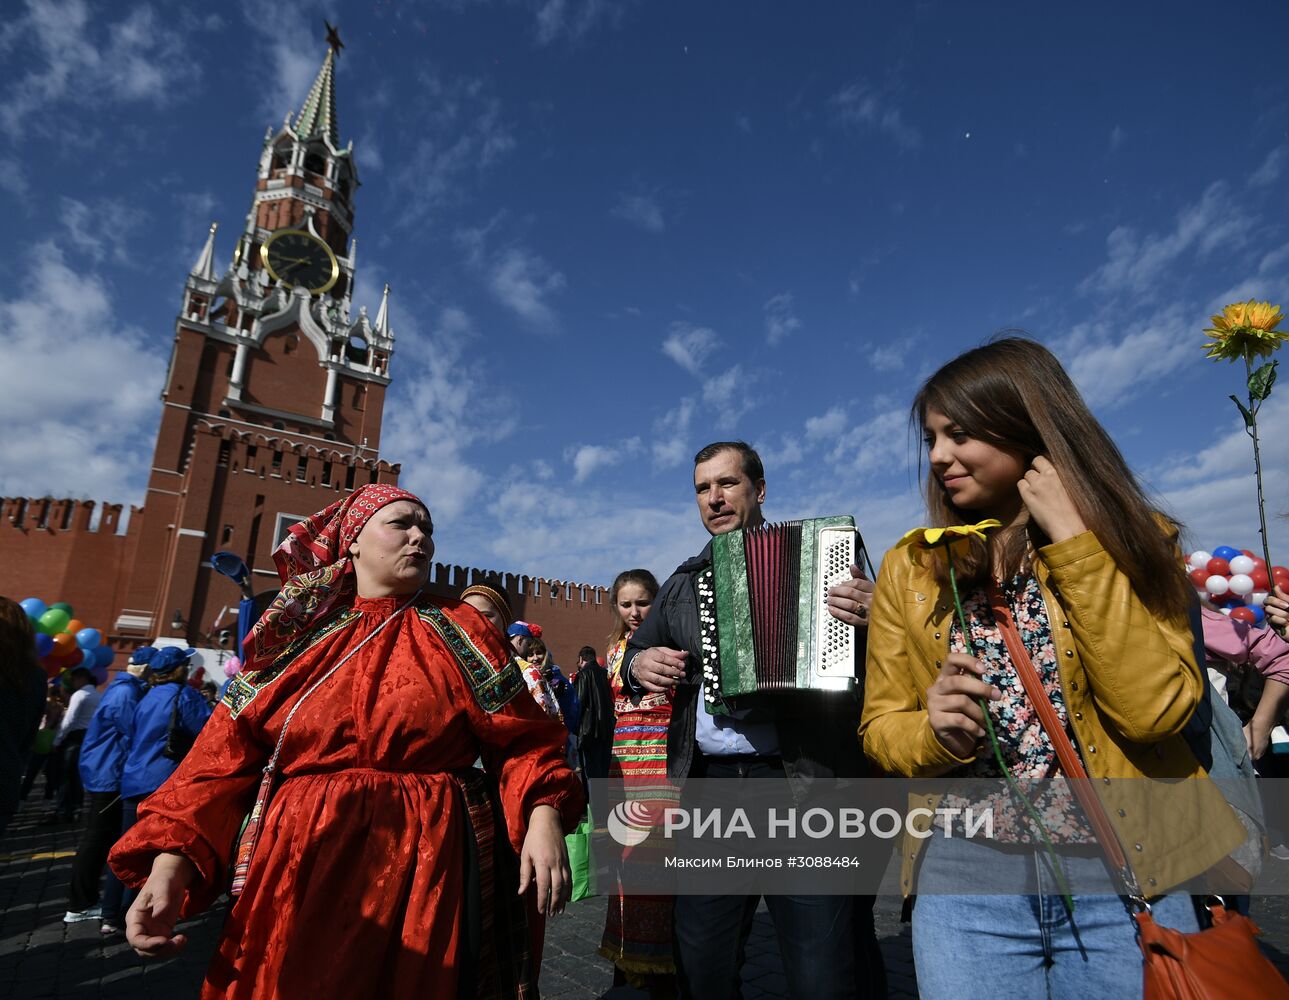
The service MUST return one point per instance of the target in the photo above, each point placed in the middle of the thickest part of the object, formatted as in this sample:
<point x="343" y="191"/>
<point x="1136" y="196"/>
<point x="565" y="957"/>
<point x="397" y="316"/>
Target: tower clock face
<point x="295" y="257"/>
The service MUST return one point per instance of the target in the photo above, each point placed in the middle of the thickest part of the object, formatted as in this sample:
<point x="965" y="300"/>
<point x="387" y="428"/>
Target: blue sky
<point x="617" y="231"/>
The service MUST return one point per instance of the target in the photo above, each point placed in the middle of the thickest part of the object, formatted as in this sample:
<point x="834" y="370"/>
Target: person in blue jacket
<point x="168" y="696"/>
<point x="102" y="758"/>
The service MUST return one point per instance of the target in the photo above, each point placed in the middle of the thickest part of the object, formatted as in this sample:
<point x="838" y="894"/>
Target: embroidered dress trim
<point x="494" y="685"/>
<point x="245" y="686"/>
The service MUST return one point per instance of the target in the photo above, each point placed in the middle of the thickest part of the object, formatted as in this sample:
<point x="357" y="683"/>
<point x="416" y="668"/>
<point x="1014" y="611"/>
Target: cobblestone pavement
<point x="41" y="957"/>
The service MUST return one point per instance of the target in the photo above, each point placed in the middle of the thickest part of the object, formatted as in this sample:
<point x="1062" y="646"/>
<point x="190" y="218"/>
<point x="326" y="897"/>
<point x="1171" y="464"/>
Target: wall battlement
<point x="65" y="514"/>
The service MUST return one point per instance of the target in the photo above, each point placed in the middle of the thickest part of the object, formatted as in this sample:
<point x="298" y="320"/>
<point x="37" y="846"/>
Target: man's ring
<point x="862" y="611"/>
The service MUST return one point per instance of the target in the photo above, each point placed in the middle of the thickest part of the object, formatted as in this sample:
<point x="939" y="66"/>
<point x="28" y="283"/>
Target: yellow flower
<point x="1245" y="329"/>
<point x="930" y="538"/>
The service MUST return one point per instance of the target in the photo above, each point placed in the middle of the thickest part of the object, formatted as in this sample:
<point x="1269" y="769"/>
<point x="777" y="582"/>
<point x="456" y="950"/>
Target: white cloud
<point x="102" y="230"/>
<point x="639" y="210"/>
<point x="780" y="319"/>
<point x="432" y="420"/>
<point x="523" y="282"/>
<point x="1110" y="363"/>
<point x="13" y="179"/>
<point x="889" y="358"/>
<point x="729" y="395"/>
<point x="857" y="107"/>
<point x="1271" y="168"/>
<point x="690" y="346"/>
<point x="575" y="19"/>
<point x="78" y="389"/>
<point x="670" y="442"/>
<point x="1212" y="490"/>
<point x="1137" y="264"/>
<point x="876" y="445"/>
<point x="590" y="535"/>
<point x="588" y="459"/>
<point x="827" y="425"/>
<point x="1116" y="138"/>
<point x="140" y="58"/>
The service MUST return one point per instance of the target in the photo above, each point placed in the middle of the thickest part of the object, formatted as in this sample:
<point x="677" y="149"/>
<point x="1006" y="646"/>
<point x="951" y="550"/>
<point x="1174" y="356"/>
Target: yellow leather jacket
<point x="1130" y="683"/>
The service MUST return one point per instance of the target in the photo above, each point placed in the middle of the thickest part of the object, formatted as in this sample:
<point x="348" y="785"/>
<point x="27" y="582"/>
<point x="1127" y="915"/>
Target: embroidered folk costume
<point x="380" y="867"/>
<point x="637" y="929"/>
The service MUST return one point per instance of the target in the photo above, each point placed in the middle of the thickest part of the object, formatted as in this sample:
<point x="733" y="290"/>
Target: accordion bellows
<point x="764" y="617"/>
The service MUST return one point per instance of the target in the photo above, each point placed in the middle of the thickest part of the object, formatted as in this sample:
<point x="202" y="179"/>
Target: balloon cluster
<point x="1236" y="581"/>
<point x="63" y="643"/>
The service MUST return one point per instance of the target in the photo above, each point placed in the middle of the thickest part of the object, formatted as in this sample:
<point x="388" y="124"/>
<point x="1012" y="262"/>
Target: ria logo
<point x="630" y="822"/>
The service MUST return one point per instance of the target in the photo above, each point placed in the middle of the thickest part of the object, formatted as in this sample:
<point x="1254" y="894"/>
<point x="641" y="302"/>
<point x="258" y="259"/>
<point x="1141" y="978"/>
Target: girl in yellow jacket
<point x="1096" y="588"/>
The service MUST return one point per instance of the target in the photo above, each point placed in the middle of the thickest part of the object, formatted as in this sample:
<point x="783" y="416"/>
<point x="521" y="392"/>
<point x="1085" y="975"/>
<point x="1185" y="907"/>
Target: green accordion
<point x="763" y="613"/>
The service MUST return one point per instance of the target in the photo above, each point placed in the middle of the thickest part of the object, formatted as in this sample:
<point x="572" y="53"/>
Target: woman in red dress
<point x="380" y="867"/>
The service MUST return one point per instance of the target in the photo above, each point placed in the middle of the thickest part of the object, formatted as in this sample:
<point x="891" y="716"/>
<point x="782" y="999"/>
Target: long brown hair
<point x="17" y="645"/>
<point x="638" y="576"/>
<point x="1013" y="393"/>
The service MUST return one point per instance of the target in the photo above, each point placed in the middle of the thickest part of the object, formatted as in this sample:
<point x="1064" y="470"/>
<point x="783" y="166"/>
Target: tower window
<point x="278" y="425"/>
<point x="315" y="163"/>
<point x="224" y="413"/>
<point x="225" y="449"/>
<point x="326" y="473"/>
<point x="277" y="461"/>
<point x="301" y="468"/>
<point x="349" y="478"/>
<point x="227" y="535"/>
<point x="250" y="454"/>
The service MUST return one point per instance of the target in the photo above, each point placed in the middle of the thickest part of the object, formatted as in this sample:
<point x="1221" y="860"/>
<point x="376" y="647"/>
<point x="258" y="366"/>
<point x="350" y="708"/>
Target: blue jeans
<point x="1028" y="945"/>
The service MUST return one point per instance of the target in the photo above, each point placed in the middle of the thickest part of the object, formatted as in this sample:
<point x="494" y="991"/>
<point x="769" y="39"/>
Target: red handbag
<point x="1221" y="962"/>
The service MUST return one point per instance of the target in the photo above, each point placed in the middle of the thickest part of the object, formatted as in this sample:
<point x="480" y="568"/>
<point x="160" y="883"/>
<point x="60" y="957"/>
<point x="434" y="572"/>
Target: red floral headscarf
<point x="313" y="562"/>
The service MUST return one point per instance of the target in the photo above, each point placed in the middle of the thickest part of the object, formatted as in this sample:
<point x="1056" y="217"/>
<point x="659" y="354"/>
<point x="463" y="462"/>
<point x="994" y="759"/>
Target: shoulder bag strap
<point x="1071" y="764"/>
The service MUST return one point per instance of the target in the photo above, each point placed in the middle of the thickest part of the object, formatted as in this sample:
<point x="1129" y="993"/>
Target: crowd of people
<point x="385" y="790"/>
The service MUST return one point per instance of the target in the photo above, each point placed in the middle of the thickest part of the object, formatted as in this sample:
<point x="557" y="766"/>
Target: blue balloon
<point x="1259" y="616"/>
<point x="44" y="643"/>
<point x="34" y="607"/>
<point x="88" y="638"/>
<point x="103" y="655"/>
<point x="1225" y="552"/>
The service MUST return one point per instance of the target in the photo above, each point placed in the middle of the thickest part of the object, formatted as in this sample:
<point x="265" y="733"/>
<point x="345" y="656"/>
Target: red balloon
<point x="1218" y="567"/>
<point x="1260" y="579"/>
<point x="1198" y="576"/>
<point x="1246" y="552"/>
<point x="1244" y="615"/>
<point x="1280" y="576"/>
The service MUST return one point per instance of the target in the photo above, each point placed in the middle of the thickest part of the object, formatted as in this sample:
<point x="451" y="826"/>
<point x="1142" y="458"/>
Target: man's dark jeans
<point x="827" y="942"/>
<point x="102" y="828"/>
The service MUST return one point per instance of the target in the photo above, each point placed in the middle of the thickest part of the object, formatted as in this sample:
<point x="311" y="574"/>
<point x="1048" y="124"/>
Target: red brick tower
<point x="272" y="405"/>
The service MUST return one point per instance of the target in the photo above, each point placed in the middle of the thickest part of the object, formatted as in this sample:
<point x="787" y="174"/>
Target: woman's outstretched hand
<point x="543" y="862"/>
<point x="150" y="924"/>
<point x="952" y="708"/>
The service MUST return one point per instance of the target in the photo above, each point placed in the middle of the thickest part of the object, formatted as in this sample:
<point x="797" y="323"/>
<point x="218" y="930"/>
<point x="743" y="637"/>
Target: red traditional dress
<point x="378" y="871"/>
<point x="637" y="929"/>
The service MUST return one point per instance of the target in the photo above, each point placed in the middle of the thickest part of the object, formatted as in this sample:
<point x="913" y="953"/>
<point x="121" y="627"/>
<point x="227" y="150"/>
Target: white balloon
<point x="1242" y="584"/>
<point x="1226" y="611"/>
<point x="1242" y="564"/>
<point x="1199" y="559"/>
<point x="1217" y="585"/>
<point x="1257" y="597"/>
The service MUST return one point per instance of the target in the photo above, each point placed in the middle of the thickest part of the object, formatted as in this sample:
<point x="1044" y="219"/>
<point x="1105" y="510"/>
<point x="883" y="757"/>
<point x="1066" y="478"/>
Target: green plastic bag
<point x="578" y="844"/>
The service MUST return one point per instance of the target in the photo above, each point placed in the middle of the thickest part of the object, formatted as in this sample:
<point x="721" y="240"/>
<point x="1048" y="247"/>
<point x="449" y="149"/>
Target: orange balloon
<point x="64" y="643"/>
<point x="74" y="626"/>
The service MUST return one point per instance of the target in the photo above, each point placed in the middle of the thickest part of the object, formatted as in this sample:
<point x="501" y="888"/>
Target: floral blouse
<point x="1025" y="747"/>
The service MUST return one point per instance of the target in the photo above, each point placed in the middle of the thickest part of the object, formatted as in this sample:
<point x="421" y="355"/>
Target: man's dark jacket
<point x="817" y="730"/>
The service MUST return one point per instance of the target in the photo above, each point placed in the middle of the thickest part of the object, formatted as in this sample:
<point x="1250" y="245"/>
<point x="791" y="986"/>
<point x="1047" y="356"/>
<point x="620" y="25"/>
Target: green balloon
<point x="64" y="606"/>
<point x="54" y="621"/>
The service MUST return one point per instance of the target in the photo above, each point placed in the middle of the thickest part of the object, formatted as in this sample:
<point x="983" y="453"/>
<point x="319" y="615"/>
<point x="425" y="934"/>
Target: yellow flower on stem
<point x="1245" y="330"/>
<point x="932" y="538"/>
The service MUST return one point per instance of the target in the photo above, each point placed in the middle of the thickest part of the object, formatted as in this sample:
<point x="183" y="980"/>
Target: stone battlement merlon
<point x="62" y="514"/>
